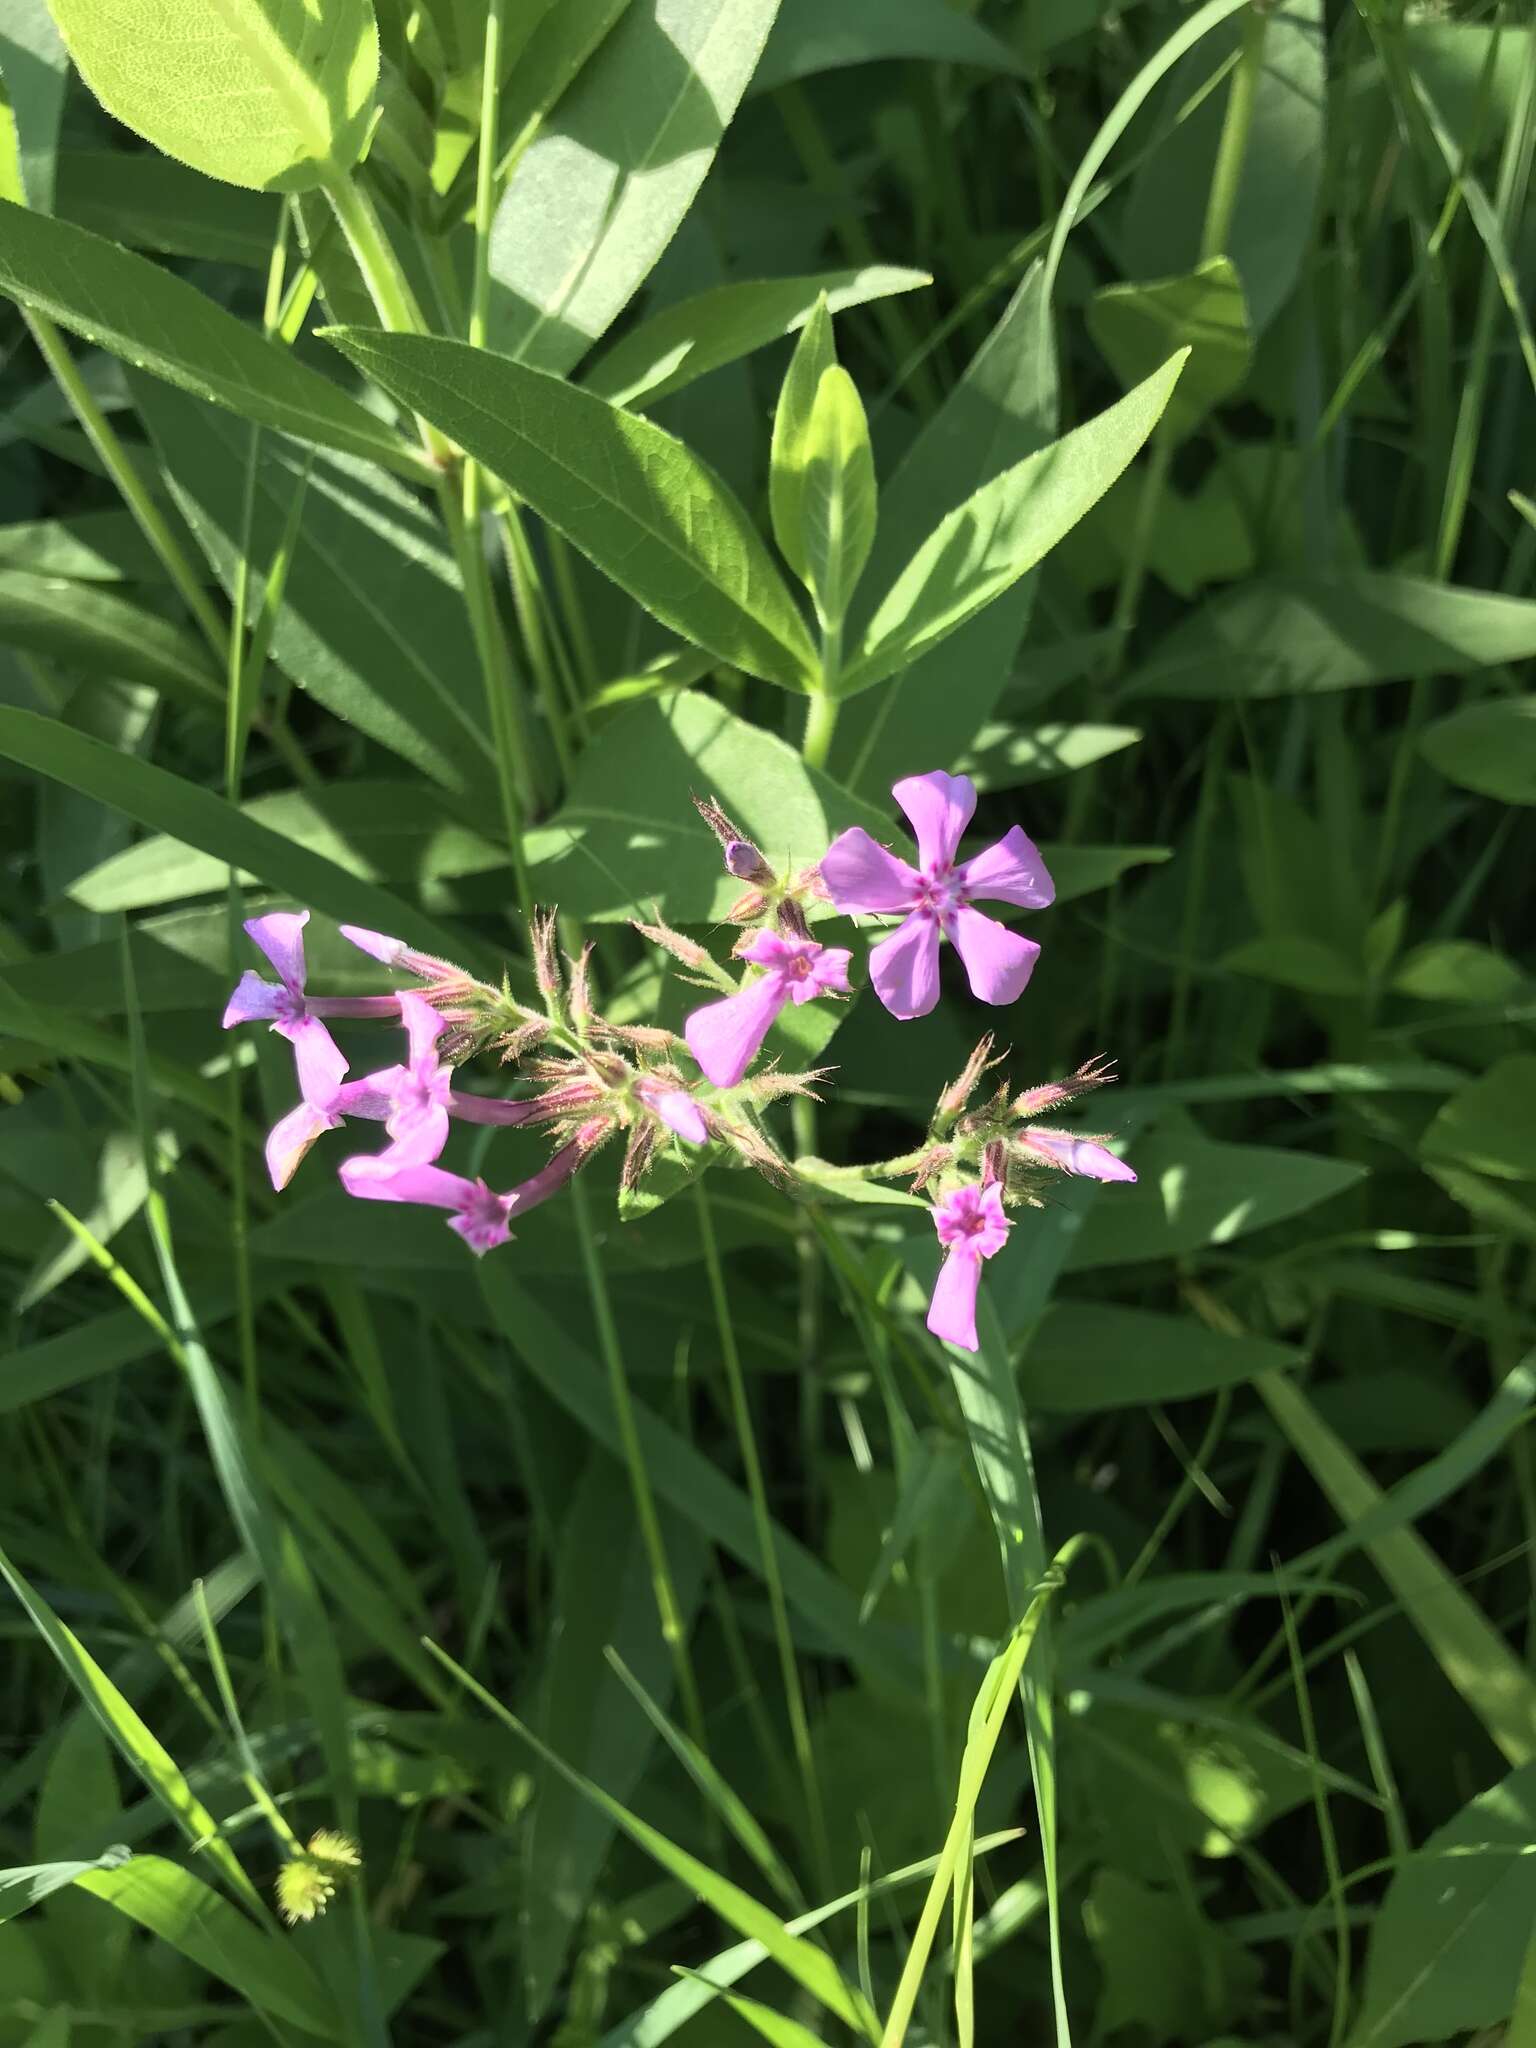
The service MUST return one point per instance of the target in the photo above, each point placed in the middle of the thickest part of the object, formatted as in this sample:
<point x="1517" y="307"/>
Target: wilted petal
<point x="861" y="875"/>
<point x="724" y="1037"/>
<point x="423" y="1027"/>
<point x="1074" y="1155"/>
<point x="291" y="1137"/>
<point x="280" y="935"/>
<point x="377" y="944"/>
<point x="254" y="1001"/>
<point x="1009" y="872"/>
<point x="952" y="1311"/>
<point x="938" y="807"/>
<point x="998" y="962"/>
<point x="904" y="967"/>
<point x="320" y="1060"/>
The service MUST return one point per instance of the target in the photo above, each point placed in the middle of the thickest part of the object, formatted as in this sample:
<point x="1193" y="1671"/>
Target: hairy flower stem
<point x="674" y="1632"/>
<point x="820" y="724"/>
<point x="794" y="1696"/>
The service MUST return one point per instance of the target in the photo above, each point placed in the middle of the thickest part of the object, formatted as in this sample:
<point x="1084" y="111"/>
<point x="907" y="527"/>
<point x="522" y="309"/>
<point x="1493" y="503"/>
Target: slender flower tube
<point x="972" y="1227"/>
<point x="937" y="897"/>
<point x="479" y="1215"/>
<point x="724" y="1037"/>
<point x="1071" y="1154"/>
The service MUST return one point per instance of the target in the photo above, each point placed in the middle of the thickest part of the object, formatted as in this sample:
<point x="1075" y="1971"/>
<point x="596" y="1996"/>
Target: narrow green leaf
<point x="1086" y="1356"/>
<point x="814" y="354"/>
<point x="35" y="71"/>
<point x="837" y="494"/>
<point x="1136" y="327"/>
<point x="135" y="309"/>
<point x="635" y="501"/>
<point x="263" y="94"/>
<point x="979" y="550"/>
<point x="105" y="635"/>
<point x="145" y="201"/>
<point x="810" y="37"/>
<point x="1490" y="748"/>
<point x="28" y="1884"/>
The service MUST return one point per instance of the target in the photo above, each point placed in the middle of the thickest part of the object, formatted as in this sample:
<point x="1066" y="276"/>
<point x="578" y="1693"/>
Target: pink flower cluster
<point x="592" y="1088"/>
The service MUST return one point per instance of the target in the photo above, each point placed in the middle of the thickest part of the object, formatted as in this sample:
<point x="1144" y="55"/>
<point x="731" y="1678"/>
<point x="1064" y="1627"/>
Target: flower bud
<point x="742" y="858"/>
<point x="546" y="956"/>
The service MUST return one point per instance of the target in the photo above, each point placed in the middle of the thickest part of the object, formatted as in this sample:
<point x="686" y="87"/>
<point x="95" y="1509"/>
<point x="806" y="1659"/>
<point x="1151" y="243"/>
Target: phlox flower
<point x="415" y="1099"/>
<point x="972" y="1227"/>
<point x="479" y="1215"/>
<point x="937" y="897"/>
<point x="1071" y="1154"/>
<point x="724" y="1037"/>
<point x="675" y="1106"/>
<point x="285" y="1006"/>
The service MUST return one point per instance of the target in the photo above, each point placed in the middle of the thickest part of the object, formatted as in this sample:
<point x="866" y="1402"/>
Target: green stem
<point x="1227" y="177"/>
<point x="150" y="520"/>
<point x="820" y="724"/>
<point x="794" y="1697"/>
<point x="674" y="1634"/>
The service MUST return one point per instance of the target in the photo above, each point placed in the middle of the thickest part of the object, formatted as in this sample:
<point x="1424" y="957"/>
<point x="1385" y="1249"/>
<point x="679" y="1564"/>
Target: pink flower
<point x="1071" y="1154"/>
<point x="971" y="1227"/>
<point x="936" y="896"/>
<point x="479" y="1215"/>
<point x="676" y="1108"/>
<point x="414" y="1101"/>
<point x="284" y="1005"/>
<point x="724" y="1037"/>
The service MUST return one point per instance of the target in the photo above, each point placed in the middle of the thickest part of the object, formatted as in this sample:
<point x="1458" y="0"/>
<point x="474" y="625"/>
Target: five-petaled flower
<point x="479" y="1215"/>
<point x="415" y="1100"/>
<point x="971" y="1227"/>
<point x="724" y="1037"/>
<point x="937" y="897"/>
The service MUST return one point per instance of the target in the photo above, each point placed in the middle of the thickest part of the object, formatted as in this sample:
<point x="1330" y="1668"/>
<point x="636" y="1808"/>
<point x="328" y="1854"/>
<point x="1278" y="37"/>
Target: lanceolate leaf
<point x="636" y="502"/>
<point x="133" y="308"/>
<point x="105" y="634"/>
<point x="985" y="546"/>
<point x="606" y="184"/>
<point x="258" y="92"/>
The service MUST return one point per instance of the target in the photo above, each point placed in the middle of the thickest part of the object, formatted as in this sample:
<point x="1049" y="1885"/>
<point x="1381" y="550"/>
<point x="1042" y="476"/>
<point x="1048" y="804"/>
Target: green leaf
<point x="104" y="635"/>
<point x="605" y="185"/>
<point x="1296" y="961"/>
<point x="90" y="547"/>
<point x="688" y="340"/>
<point x="983" y="547"/>
<point x="810" y="1966"/>
<point x="158" y="322"/>
<point x="161" y="800"/>
<point x="28" y="1884"/>
<point x="146" y="201"/>
<point x="35" y="71"/>
<point x="628" y="834"/>
<point x="810" y="37"/>
<point x="1192" y="1192"/>
<point x="1490" y="748"/>
<point x="1137" y="326"/>
<point x="208" y="1931"/>
<point x="1086" y="1356"/>
<point x="1006" y="757"/>
<point x="1450" y="1935"/>
<point x="403" y="671"/>
<point x="1002" y="409"/>
<point x="814" y="354"/>
<point x="636" y="502"/>
<point x="1302" y="634"/>
<point x="1457" y="971"/>
<point x="1490" y="1125"/>
<point x="263" y="94"/>
<point x="546" y="60"/>
<point x="837" y="494"/>
<point x="778" y="2028"/>
<point x="1168" y="1971"/>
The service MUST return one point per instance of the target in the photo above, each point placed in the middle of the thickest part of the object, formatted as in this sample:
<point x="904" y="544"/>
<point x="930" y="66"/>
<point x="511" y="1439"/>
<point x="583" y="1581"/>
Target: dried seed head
<point x="687" y="950"/>
<point x="1095" y="1073"/>
<point x="960" y="1090"/>
<point x="514" y="1044"/>
<point x="933" y="1161"/>
<point x="581" y="985"/>
<point x="747" y="909"/>
<point x="546" y="954"/>
<point x="792" y="920"/>
<point x="773" y="1086"/>
<point x="641" y="1037"/>
<point x="638" y="1154"/>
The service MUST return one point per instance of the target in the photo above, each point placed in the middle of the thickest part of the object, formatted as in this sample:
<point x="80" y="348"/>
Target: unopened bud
<point x="581" y="985"/>
<point x="687" y="950"/>
<point x="742" y="858"/>
<point x="994" y="1163"/>
<point x="1095" y="1073"/>
<point x="792" y="920"/>
<point x="546" y="956"/>
<point x="960" y="1090"/>
<point x="512" y="1045"/>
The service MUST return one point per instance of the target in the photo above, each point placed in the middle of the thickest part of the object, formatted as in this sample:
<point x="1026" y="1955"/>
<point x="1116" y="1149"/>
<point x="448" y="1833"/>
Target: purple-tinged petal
<point x="280" y="935"/>
<point x="379" y="1177"/>
<point x="417" y="1134"/>
<point x="378" y="945"/>
<point x="423" y="1027"/>
<point x="320" y="1060"/>
<point x="371" y="1098"/>
<point x="828" y="976"/>
<point x="679" y="1112"/>
<point x="772" y="949"/>
<point x="952" y="1310"/>
<point x="973" y="1218"/>
<point x="938" y="808"/>
<point x="482" y="1222"/>
<point x="1073" y="1155"/>
<point x="724" y="1037"/>
<point x="904" y="967"/>
<point x="998" y="962"/>
<point x="255" y="1001"/>
<point x="1009" y="872"/>
<point x="861" y="875"/>
<point x="291" y="1137"/>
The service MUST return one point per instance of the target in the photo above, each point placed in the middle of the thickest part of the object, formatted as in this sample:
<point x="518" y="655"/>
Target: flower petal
<point x="254" y="1001"/>
<point x="1009" y="872"/>
<point x="423" y="1027"/>
<point x="724" y="1037"/>
<point x="320" y="1060"/>
<point x="904" y="967"/>
<point x="372" y="1097"/>
<point x="828" y="975"/>
<point x="861" y="875"/>
<point x="998" y="962"/>
<point x="1073" y="1155"/>
<point x="938" y="808"/>
<point x="418" y="1135"/>
<point x="291" y="1137"/>
<point x="280" y="935"/>
<point x="679" y="1112"/>
<point x="482" y="1223"/>
<point x="379" y="1177"/>
<point x="377" y="944"/>
<point x="952" y="1311"/>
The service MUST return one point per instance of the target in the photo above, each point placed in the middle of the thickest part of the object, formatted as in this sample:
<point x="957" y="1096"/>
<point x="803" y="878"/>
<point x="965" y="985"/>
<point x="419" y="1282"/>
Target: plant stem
<point x="147" y="515"/>
<point x="674" y="1634"/>
<point x="741" y="1412"/>
<point x="820" y="724"/>
<point x="1227" y="177"/>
